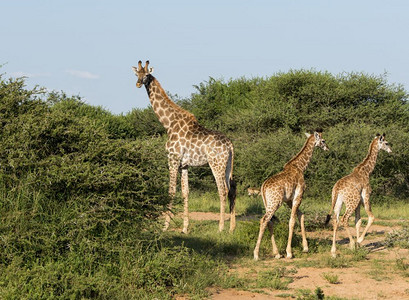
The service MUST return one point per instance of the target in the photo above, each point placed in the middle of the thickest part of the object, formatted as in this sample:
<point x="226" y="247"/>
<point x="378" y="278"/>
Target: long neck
<point x="368" y="164"/>
<point x="302" y="159"/>
<point x="166" y="110"/>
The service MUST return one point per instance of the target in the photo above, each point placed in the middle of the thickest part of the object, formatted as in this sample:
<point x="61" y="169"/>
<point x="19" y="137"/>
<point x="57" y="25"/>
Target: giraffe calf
<point x="288" y="186"/>
<point x="354" y="190"/>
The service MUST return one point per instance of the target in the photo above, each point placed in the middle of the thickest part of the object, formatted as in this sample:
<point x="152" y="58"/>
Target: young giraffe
<point x="190" y="144"/>
<point x="288" y="186"/>
<point x="354" y="189"/>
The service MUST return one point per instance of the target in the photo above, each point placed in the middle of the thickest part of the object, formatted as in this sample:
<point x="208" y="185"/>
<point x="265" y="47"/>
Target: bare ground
<point x="365" y="280"/>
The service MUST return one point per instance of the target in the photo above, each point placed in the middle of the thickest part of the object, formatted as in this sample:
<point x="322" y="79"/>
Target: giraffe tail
<point x="334" y="200"/>
<point x="230" y="183"/>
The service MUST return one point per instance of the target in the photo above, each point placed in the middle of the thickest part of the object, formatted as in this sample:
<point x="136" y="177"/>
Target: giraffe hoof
<point x="305" y="250"/>
<point x="334" y="255"/>
<point x="278" y="256"/>
<point x="360" y="240"/>
<point x="255" y="255"/>
<point x="289" y="256"/>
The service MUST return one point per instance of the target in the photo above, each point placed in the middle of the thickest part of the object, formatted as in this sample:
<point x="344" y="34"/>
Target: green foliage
<point x="398" y="238"/>
<point x="266" y="118"/>
<point x="145" y="123"/>
<point x="331" y="278"/>
<point x="81" y="189"/>
<point x="273" y="279"/>
<point x="79" y="202"/>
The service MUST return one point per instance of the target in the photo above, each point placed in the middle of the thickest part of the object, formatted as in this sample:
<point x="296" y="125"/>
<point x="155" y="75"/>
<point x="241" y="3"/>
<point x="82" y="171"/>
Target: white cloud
<point x="82" y="74"/>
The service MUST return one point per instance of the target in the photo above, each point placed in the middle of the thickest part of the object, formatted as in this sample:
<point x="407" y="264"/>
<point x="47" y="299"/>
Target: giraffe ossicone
<point x="190" y="144"/>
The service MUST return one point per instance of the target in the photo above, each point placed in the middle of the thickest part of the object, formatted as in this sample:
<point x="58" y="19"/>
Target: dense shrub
<point x="81" y="189"/>
<point x="266" y="118"/>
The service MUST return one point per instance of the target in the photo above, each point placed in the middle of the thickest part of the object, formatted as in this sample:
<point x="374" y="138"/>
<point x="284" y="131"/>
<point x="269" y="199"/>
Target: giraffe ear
<point x="135" y="70"/>
<point x="150" y="70"/>
<point x="307" y="134"/>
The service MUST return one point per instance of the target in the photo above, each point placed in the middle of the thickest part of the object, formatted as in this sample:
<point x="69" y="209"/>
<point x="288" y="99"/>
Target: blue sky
<point x="87" y="47"/>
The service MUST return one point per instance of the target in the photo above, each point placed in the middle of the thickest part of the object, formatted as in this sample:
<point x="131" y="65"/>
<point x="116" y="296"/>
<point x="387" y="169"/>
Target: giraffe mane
<point x="170" y="102"/>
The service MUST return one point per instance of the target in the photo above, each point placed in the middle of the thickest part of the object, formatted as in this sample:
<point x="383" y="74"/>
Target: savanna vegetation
<point x="82" y="189"/>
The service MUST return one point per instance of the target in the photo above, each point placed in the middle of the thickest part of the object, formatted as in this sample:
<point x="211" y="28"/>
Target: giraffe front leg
<point x="173" y="173"/>
<point x="185" y="195"/>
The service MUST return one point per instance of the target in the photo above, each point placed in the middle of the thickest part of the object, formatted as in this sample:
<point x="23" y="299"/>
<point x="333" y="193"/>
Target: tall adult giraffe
<point x="288" y="186"/>
<point x="353" y="190"/>
<point x="190" y="144"/>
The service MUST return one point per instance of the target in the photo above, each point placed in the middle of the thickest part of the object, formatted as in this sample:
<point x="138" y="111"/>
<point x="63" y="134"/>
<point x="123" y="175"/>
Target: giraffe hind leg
<point x="273" y="242"/>
<point x="295" y="205"/>
<point x="266" y="219"/>
<point x="185" y="195"/>
<point x="218" y="168"/>
<point x="371" y="218"/>
<point x="345" y="218"/>
<point x="358" y="220"/>
<point x="300" y="216"/>
<point x="335" y="222"/>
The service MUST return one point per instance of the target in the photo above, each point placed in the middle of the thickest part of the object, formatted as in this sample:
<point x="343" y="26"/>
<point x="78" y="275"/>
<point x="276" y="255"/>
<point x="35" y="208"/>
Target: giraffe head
<point x="382" y="143"/>
<point x="142" y="73"/>
<point x="319" y="141"/>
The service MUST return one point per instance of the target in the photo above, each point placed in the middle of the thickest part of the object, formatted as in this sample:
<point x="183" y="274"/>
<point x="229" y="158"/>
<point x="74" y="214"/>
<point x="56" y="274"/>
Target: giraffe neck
<point x="302" y="159"/>
<point x="368" y="164"/>
<point x="166" y="110"/>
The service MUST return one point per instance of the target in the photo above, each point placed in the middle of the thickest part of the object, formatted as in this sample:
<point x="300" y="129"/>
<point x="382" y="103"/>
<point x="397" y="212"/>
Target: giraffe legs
<point x="266" y="219"/>
<point x="273" y="242"/>
<point x="219" y="175"/>
<point x="371" y="217"/>
<point x="294" y="212"/>
<point x="344" y="221"/>
<point x="222" y="189"/>
<point x="173" y="173"/>
<point x="358" y="220"/>
<point x="185" y="195"/>
<point x="334" y="237"/>
<point x="300" y="216"/>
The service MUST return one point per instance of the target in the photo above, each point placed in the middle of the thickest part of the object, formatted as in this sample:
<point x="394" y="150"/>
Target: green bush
<point x="81" y="189"/>
<point x="266" y="118"/>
